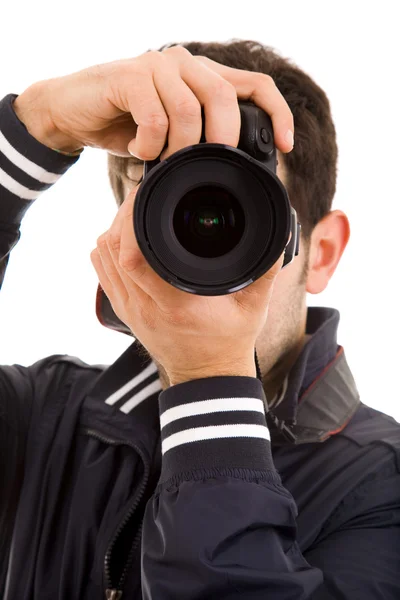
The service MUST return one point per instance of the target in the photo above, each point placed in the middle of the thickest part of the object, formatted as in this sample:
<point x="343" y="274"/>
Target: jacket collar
<point x="320" y="399"/>
<point x="320" y="349"/>
<point x="321" y="395"/>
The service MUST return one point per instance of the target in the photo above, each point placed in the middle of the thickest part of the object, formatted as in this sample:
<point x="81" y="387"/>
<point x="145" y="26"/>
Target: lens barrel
<point x="211" y="219"/>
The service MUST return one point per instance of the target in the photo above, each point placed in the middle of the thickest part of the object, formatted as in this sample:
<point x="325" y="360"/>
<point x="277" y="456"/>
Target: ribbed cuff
<point x="214" y="423"/>
<point x="27" y="167"/>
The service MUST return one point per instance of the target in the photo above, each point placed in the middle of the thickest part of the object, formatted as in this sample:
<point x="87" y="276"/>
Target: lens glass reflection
<point x="208" y="221"/>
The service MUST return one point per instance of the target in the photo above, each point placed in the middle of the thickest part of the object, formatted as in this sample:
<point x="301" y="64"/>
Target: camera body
<point x="211" y="219"/>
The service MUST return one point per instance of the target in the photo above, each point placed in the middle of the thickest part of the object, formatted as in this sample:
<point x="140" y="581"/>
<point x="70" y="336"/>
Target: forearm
<point x="27" y="169"/>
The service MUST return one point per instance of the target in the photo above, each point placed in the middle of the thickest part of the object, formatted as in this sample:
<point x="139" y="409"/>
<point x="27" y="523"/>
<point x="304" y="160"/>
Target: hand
<point x="140" y="102"/>
<point x="191" y="336"/>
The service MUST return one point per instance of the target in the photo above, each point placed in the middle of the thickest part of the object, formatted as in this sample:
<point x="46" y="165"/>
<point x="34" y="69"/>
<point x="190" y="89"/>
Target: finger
<point x="118" y="135"/>
<point x="269" y="277"/>
<point x="262" y="91"/>
<point x="114" y="281"/>
<point x="122" y="287"/>
<point x="148" y="112"/>
<point x="182" y="107"/>
<point x="108" y="247"/>
<point x="101" y="274"/>
<point x="219" y="98"/>
<point x="259" y="293"/>
<point x="123" y="248"/>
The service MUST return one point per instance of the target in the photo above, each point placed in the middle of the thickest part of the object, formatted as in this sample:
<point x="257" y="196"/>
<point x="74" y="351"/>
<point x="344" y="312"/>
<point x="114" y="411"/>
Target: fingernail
<point x="132" y="153"/>
<point x="131" y="149"/>
<point x="289" y="138"/>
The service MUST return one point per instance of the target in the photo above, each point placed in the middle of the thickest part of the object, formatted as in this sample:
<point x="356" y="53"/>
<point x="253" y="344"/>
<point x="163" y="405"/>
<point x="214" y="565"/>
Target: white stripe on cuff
<point x="26" y="165"/>
<point x="210" y="406"/>
<point x="16" y="188"/>
<point x="212" y="432"/>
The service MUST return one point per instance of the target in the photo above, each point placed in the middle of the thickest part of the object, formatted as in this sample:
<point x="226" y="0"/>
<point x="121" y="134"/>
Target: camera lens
<point x="208" y="221"/>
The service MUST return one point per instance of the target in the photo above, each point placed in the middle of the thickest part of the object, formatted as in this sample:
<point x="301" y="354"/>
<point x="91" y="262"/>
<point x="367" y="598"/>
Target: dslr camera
<point x="211" y="218"/>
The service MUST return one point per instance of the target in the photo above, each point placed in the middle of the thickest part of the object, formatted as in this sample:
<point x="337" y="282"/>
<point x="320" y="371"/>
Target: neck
<point x="272" y="378"/>
<point x="164" y="379"/>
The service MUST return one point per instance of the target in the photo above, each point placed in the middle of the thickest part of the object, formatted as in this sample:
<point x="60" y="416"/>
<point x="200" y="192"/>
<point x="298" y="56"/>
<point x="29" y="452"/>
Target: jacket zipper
<point x="115" y="592"/>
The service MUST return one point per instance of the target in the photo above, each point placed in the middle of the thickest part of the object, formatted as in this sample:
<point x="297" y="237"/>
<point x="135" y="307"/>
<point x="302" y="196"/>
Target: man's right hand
<point x="135" y="106"/>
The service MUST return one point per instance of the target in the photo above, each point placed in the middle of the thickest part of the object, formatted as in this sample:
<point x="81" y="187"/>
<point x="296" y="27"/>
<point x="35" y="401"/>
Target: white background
<point x="351" y="49"/>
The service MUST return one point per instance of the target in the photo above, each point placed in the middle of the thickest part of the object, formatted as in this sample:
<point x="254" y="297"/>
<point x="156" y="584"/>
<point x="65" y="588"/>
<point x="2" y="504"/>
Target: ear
<point x="328" y="241"/>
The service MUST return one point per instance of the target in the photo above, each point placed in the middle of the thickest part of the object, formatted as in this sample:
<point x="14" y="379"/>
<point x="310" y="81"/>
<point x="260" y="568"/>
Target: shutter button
<point x="264" y="135"/>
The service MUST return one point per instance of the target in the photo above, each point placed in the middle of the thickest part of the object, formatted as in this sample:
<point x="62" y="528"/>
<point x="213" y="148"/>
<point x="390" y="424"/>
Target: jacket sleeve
<point x="222" y="525"/>
<point x="27" y="168"/>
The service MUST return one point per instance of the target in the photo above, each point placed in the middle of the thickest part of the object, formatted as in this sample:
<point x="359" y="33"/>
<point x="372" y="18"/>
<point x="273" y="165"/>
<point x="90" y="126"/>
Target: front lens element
<point x="208" y="221"/>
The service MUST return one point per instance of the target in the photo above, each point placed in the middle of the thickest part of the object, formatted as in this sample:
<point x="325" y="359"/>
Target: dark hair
<point x="312" y="164"/>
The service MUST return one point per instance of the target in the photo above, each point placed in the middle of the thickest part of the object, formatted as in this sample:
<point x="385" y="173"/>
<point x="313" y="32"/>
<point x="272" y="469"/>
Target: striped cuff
<point x="214" y="423"/>
<point x="27" y="167"/>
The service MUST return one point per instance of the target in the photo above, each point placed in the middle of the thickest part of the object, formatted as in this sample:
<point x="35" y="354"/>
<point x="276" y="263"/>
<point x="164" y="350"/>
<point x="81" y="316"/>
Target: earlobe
<point x="328" y="242"/>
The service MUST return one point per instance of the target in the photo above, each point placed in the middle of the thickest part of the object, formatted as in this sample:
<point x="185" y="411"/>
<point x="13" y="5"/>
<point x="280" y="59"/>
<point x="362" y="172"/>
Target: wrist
<point x="236" y="370"/>
<point x="32" y="109"/>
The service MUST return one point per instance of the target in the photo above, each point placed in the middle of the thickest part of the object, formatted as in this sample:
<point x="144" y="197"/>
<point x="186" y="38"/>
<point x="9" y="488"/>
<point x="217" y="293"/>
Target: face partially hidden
<point x="283" y="333"/>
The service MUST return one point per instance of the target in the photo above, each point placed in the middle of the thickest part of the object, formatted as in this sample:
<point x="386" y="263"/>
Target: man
<point x="234" y="481"/>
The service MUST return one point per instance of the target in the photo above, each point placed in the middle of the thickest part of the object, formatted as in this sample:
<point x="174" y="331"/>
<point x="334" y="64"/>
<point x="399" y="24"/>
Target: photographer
<point x="226" y="453"/>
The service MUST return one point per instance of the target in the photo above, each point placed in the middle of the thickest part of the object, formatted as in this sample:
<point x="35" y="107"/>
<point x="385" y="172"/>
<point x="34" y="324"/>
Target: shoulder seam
<point x="76" y="361"/>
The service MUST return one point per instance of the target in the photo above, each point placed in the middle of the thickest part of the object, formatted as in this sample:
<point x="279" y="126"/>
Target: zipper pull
<point x="113" y="594"/>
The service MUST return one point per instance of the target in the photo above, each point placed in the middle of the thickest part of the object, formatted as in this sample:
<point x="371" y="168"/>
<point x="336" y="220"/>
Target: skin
<point x="133" y="107"/>
<point x="284" y="334"/>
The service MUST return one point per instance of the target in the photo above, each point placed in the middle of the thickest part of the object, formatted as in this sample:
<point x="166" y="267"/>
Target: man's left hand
<point x="191" y="336"/>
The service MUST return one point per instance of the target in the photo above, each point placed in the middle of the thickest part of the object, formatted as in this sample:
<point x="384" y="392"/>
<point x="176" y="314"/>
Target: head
<point x="308" y="173"/>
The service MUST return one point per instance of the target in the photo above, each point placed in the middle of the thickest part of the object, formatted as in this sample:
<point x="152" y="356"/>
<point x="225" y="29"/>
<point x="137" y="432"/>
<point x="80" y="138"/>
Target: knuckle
<point x="102" y="241"/>
<point x="152" y="56"/>
<point x="174" y="319"/>
<point x="178" y="51"/>
<point x="223" y="89"/>
<point x="266" y="79"/>
<point x="147" y="318"/>
<point x="156" y="122"/>
<point x="138" y="69"/>
<point x="132" y="263"/>
<point x="177" y="317"/>
<point x="186" y="109"/>
<point x="203" y="59"/>
<point x="114" y="241"/>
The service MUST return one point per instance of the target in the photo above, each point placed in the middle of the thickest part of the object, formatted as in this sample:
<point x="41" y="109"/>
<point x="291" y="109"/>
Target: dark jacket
<point x="110" y="487"/>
